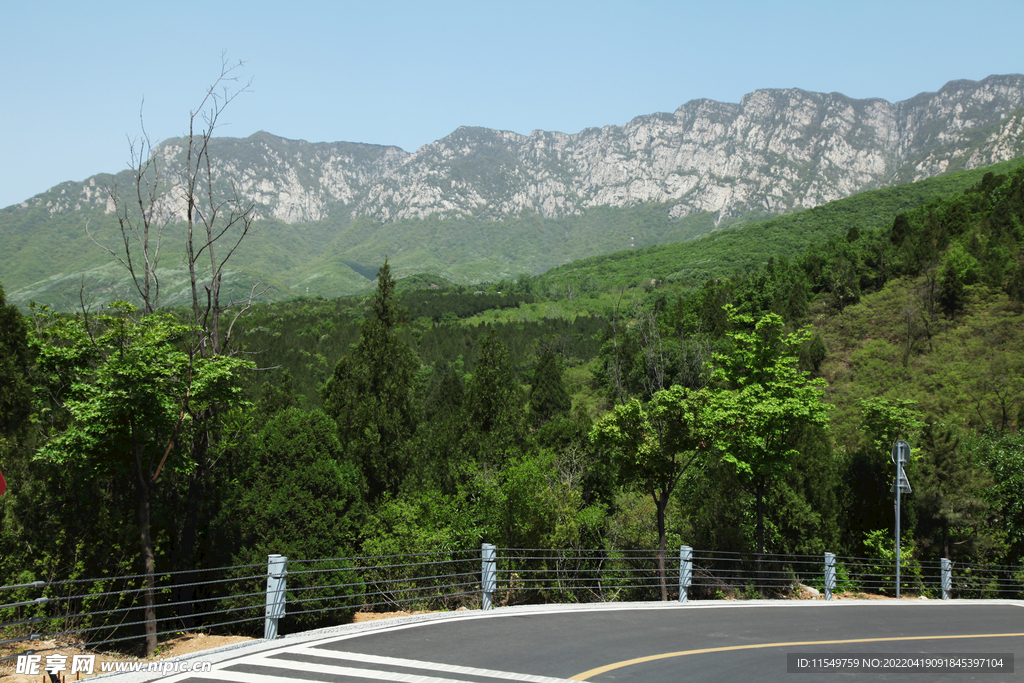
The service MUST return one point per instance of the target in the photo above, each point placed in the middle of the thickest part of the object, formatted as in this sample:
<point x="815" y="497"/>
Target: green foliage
<point x="548" y="396"/>
<point x="1001" y="455"/>
<point x="882" y="576"/>
<point x="423" y="525"/>
<point x="653" y="444"/>
<point x="15" y="363"/>
<point x="884" y="421"/>
<point x="302" y="498"/>
<point x="371" y="395"/>
<point x="767" y="403"/>
<point x="421" y="522"/>
<point x="494" y="407"/>
<point x="535" y="501"/>
<point x="769" y="397"/>
<point x="127" y="387"/>
<point x="807" y="517"/>
<point x="959" y="269"/>
<point x="953" y="510"/>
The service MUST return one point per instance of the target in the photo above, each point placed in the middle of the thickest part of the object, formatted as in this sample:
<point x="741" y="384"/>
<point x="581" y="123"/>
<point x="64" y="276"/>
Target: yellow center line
<point x="650" y="658"/>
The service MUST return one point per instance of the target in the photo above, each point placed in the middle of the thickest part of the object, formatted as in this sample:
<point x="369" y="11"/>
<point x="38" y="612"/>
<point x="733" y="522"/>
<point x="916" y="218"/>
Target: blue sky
<point x="75" y="74"/>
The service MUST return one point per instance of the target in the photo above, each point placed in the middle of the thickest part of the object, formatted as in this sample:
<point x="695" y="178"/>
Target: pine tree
<point x="372" y="393"/>
<point x="548" y="396"/>
<point x="494" y="405"/>
<point x="950" y="497"/>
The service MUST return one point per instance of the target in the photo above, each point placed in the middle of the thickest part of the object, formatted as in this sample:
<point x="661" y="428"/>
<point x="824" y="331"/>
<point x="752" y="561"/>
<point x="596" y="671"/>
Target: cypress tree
<point x="548" y="396"/>
<point x="494" y="405"/>
<point x="371" y="394"/>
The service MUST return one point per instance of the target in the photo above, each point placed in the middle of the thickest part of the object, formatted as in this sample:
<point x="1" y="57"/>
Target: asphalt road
<point x="714" y="641"/>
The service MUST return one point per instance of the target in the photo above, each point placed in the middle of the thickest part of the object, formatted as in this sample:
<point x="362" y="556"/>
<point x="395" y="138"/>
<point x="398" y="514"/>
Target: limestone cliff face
<point x="775" y="151"/>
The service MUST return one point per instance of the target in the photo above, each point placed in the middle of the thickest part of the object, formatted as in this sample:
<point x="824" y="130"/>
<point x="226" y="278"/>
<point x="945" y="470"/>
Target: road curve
<point x="660" y="642"/>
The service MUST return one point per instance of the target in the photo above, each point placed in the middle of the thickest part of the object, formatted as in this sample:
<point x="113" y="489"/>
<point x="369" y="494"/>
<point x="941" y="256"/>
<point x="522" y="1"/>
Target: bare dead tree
<point x="141" y="218"/>
<point x="615" y="370"/>
<point x="694" y="360"/>
<point x="216" y="221"/>
<point x="655" y="359"/>
<point x="212" y="221"/>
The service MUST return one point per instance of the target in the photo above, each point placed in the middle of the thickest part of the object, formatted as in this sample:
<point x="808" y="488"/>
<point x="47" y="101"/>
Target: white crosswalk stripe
<point x="277" y="669"/>
<point x="339" y="671"/>
<point x="430" y="666"/>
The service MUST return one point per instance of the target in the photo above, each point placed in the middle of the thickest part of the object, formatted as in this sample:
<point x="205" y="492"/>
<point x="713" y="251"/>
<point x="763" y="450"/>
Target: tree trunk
<point x="661" y="503"/>
<point x="185" y="553"/>
<point x="759" y="493"/>
<point x="148" y="562"/>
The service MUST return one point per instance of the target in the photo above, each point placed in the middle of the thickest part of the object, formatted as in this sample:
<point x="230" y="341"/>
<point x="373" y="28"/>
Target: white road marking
<point x="278" y="669"/>
<point x="429" y="666"/>
<point x="245" y="677"/>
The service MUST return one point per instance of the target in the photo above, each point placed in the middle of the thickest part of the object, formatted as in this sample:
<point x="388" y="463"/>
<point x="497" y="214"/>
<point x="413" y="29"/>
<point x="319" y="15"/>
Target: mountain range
<point x="482" y="204"/>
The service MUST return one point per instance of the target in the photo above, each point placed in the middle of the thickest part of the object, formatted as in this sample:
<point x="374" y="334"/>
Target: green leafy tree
<point x="537" y="501"/>
<point x="884" y="421"/>
<point x="128" y="394"/>
<point x="372" y="393"/>
<point x="1002" y="456"/>
<point x="437" y="439"/>
<point x="959" y="269"/>
<point x="652" y="446"/>
<point x="767" y="402"/>
<point x="300" y="493"/>
<point x="420" y="522"/>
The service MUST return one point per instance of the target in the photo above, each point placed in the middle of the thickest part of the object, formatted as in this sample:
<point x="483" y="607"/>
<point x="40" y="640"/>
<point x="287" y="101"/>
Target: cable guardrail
<point x="735" y="575"/>
<point x="110" y="610"/>
<point x="988" y="581"/>
<point x="299" y="594"/>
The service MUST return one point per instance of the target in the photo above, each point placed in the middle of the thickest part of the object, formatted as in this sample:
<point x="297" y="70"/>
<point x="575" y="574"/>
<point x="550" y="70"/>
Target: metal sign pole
<point x="897" y="532"/>
<point x="900" y="456"/>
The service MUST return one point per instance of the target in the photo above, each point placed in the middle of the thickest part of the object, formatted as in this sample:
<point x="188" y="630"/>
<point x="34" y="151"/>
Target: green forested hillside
<point x="50" y="254"/>
<point x="740" y="249"/>
<point x="750" y="410"/>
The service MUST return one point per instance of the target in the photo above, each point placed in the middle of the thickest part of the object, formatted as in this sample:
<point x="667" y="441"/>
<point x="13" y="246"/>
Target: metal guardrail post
<point x="488" y="575"/>
<point x="830" y="574"/>
<point x="277" y="570"/>
<point x="685" y="572"/>
<point x="947" y="578"/>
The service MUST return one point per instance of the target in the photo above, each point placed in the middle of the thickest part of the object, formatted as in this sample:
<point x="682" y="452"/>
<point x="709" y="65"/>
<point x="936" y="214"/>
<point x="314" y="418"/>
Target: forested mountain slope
<point x="482" y="205"/>
<point x="396" y="423"/>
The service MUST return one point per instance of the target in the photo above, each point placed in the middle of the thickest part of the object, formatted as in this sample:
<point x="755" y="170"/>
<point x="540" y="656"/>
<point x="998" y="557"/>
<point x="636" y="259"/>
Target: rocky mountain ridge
<point x="487" y="205"/>
<point x="774" y="151"/>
